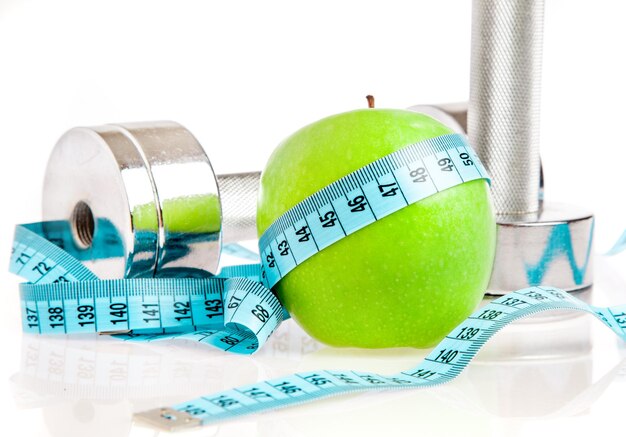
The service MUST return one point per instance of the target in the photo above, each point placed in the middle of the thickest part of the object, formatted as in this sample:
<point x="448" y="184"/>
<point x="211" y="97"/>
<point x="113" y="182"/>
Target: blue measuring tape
<point x="235" y="311"/>
<point x="63" y="296"/>
<point x="363" y="197"/>
<point x="444" y="363"/>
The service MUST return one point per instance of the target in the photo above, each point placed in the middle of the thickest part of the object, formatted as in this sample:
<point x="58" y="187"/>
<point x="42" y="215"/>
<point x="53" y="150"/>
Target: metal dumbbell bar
<point x="538" y="242"/>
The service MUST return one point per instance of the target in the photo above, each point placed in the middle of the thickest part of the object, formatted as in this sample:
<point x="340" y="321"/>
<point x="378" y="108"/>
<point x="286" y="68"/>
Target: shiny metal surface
<point x="553" y="247"/>
<point x="103" y="169"/>
<point x="537" y="244"/>
<point x="453" y="115"/>
<point x="505" y="84"/>
<point x="238" y="194"/>
<point x="162" y="417"/>
<point x="185" y="194"/>
<point x="151" y="188"/>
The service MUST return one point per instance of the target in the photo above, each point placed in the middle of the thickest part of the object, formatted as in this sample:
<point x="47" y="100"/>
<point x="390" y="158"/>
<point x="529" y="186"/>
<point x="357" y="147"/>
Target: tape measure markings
<point x="93" y="304"/>
<point x="165" y="306"/>
<point x="35" y="259"/>
<point x="443" y="364"/>
<point x="363" y="197"/>
<point x="235" y="311"/>
<point x="239" y="333"/>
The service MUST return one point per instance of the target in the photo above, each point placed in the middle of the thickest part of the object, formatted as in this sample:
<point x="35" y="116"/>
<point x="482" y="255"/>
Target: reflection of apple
<point x="405" y="280"/>
<point x="190" y="214"/>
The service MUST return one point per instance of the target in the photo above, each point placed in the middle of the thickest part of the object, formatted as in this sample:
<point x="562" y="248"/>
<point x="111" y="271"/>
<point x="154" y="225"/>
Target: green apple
<point x="405" y="280"/>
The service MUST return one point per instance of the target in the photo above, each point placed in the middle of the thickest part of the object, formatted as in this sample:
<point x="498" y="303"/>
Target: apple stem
<point x="370" y="101"/>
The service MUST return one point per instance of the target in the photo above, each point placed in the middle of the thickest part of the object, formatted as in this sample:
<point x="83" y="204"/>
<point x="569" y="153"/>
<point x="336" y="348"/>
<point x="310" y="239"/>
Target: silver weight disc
<point x="135" y="200"/>
<point x="552" y="247"/>
<point x="453" y="115"/>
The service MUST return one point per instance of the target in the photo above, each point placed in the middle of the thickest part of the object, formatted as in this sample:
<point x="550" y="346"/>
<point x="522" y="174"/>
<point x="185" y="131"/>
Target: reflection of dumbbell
<point x="142" y="199"/>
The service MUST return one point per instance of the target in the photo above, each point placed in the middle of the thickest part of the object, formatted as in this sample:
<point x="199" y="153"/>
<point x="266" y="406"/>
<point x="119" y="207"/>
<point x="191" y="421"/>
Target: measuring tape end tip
<point x="168" y="419"/>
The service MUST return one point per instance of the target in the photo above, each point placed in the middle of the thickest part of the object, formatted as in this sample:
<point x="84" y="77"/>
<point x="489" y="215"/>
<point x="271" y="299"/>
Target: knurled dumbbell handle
<point x="238" y="196"/>
<point x="505" y="82"/>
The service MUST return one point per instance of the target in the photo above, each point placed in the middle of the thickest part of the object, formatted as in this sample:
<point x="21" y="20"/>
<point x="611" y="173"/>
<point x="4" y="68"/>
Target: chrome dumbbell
<point x="142" y="200"/>
<point x="453" y="115"/>
<point x="538" y="243"/>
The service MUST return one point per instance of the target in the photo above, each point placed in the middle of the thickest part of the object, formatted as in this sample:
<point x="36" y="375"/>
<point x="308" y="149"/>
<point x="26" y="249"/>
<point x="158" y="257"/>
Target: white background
<point x="242" y="75"/>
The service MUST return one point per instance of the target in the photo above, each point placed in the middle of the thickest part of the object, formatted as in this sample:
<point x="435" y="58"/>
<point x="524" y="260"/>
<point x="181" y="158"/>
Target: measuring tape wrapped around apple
<point x="395" y="253"/>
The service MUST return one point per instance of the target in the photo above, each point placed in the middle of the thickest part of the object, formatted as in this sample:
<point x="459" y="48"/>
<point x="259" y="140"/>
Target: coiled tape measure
<point x="235" y="311"/>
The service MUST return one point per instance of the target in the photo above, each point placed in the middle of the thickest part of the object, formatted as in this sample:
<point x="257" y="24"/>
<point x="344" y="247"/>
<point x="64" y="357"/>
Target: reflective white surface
<point x="555" y="373"/>
<point x="71" y="62"/>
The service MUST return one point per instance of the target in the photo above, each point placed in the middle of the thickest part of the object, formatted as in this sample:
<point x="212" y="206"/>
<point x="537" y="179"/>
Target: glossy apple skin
<point x="405" y="280"/>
